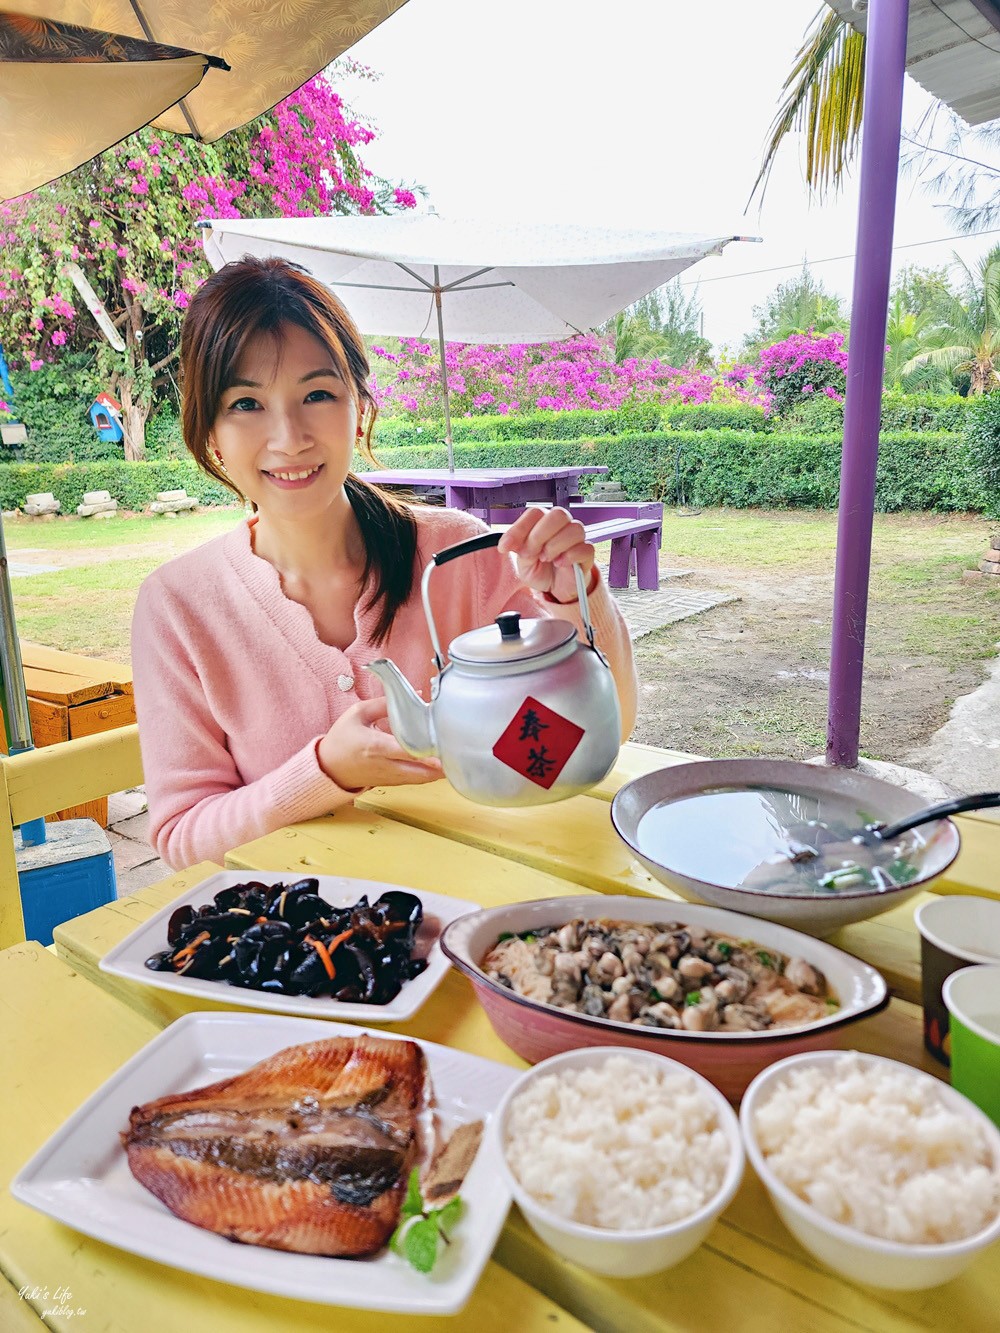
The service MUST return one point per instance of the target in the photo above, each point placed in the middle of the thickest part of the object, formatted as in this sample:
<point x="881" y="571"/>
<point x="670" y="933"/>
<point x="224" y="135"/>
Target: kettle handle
<point x="481" y="543"/>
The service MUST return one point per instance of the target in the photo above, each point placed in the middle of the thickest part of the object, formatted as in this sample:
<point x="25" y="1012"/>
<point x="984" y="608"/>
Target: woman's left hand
<point x="547" y="543"/>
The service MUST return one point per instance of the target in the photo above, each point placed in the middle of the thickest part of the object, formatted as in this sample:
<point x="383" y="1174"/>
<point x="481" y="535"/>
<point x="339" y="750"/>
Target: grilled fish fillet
<point x="309" y="1150"/>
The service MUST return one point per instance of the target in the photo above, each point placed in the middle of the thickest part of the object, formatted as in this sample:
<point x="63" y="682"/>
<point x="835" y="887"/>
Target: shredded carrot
<point x="188" y="951"/>
<point x="324" y="956"/>
<point x="324" y="952"/>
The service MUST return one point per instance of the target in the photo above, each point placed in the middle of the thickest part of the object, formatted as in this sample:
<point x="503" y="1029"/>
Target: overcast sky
<point x="636" y="112"/>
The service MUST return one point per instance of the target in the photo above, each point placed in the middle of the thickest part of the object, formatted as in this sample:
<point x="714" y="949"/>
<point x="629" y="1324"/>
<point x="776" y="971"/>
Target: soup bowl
<point x="688" y="861"/>
<point x="729" y="1059"/>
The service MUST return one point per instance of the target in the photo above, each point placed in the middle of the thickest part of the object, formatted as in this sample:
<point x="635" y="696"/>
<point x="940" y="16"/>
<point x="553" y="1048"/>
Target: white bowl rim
<point x="951" y="983"/>
<point x="585" y="1055"/>
<point x="895" y="1249"/>
<point x="836" y="1019"/>
<point x="927" y="931"/>
<point x="844" y="895"/>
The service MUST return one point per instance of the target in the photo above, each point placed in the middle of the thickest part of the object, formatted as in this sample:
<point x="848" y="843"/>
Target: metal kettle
<point x="524" y="712"/>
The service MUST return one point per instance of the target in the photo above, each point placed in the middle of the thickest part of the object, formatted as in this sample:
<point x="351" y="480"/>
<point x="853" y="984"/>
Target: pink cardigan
<point x="234" y="689"/>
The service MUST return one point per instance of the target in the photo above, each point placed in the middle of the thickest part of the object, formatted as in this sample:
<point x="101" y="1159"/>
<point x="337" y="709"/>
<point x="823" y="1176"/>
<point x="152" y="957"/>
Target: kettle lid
<point x="511" y="639"/>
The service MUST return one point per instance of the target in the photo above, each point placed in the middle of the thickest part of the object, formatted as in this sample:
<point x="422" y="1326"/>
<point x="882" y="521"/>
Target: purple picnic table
<point x="498" y="495"/>
<point x="481" y="490"/>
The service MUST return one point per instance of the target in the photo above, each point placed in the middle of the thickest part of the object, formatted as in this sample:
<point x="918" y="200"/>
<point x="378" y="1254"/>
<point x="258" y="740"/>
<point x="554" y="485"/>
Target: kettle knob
<point x="510" y="624"/>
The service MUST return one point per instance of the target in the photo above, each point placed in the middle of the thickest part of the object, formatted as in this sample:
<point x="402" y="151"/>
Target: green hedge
<point x="924" y="411"/>
<point x="917" y="470"/>
<point x="742" y="469"/>
<point x="133" y="485"/>
<point x="982" y="436"/>
<point x="392" y="432"/>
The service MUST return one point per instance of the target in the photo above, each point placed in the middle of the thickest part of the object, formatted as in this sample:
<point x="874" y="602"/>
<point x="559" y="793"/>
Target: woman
<point x="254" y="710"/>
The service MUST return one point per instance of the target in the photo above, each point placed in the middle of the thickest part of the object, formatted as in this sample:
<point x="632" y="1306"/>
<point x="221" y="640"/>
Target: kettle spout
<point x="409" y="716"/>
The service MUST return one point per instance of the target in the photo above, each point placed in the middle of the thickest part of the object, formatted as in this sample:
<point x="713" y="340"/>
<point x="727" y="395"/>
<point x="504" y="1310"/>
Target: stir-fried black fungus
<point x="287" y="940"/>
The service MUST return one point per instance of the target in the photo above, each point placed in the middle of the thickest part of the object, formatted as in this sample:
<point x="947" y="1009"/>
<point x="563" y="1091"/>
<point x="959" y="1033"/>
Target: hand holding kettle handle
<point x="482" y="543"/>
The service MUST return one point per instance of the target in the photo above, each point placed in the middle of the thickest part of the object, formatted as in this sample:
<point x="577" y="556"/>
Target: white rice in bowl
<point x="622" y="1146"/>
<point x="878" y="1148"/>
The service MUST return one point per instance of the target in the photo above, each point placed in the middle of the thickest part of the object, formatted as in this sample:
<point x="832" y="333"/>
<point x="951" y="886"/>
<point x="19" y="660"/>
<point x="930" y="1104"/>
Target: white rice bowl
<point x="875" y="1146"/>
<point x="622" y="1146"/>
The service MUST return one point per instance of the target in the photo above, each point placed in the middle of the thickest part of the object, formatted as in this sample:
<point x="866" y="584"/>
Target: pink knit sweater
<point x="234" y="689"/>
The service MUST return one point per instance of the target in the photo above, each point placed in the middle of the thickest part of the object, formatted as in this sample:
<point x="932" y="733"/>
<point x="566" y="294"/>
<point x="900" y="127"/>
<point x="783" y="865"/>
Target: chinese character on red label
<point x="538" y="743"/>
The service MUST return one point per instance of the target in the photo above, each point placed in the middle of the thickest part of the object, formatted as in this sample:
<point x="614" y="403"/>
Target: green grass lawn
<point x="87" y="608"/>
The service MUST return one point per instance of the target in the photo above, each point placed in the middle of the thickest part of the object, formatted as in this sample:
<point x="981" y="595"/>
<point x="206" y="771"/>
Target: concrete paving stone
<point x="965" y="752"/>
<point x="141" y="876"/>
<point x="128" y="852"/>
<point x="135" y="827"/>
<point x="124" y="804"/>
<point x="646" y="611"/>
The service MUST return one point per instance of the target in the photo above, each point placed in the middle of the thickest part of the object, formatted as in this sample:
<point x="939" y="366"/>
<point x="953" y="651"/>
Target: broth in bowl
<point x="753" y="838"/>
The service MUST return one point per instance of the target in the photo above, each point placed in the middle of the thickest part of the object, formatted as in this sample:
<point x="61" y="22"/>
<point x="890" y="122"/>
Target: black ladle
<point x="872" y="834"/>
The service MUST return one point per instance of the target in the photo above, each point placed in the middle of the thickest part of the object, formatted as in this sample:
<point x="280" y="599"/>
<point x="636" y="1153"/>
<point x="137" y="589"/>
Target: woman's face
<point x="287" y="425"/>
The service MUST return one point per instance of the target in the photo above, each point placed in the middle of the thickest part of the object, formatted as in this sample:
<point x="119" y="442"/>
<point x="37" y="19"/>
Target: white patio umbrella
<point x="489" y="282"/>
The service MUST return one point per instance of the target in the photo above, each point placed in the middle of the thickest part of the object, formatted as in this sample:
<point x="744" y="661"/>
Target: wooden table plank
<point x="64" y="1037"/>
<point x="571" y="839"/>
<point x="358" y="841"/>
<point x="36" y="655"/>
<point x="16" y="1313"/>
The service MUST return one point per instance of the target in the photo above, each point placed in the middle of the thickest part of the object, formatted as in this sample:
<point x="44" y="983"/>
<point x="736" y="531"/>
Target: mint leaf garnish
<point x="420" y="1244"/>
<point x="413" y="1204"/>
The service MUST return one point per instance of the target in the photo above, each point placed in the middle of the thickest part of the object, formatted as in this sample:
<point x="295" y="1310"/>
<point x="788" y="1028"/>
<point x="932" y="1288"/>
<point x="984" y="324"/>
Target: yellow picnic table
<point x="68" y="1027"/>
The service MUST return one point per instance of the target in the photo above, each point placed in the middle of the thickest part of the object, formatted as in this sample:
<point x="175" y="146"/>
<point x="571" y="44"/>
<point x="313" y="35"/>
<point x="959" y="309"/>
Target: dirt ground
<point x="751" y="677"/>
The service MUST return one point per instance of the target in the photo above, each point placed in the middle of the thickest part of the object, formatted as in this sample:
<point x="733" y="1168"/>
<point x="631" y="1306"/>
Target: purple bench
<point x="635" y="532"/>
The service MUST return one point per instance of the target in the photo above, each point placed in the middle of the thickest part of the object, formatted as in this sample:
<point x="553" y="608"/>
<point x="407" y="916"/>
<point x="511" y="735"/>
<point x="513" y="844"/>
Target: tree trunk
<point x="133" y="423"/>
<point x="134" y="412"/>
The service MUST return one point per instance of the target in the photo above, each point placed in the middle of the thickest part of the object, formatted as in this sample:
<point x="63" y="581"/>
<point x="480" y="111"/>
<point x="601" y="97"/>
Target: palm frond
<point x="824" y="95"/>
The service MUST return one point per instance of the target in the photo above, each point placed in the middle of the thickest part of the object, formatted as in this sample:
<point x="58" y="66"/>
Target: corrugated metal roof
<point x="952" y="50"/>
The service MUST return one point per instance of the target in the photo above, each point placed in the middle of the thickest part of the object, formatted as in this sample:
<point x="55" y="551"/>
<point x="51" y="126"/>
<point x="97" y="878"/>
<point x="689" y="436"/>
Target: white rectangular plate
<point x="81" y="1175"/>
<point x="128" y="959"/>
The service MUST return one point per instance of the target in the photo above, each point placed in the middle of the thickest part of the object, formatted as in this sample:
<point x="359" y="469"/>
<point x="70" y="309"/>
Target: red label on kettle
<point x="538" y="742"/>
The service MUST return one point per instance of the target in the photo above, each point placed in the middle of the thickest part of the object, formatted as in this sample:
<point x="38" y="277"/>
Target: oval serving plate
<point x="128" y="958"/>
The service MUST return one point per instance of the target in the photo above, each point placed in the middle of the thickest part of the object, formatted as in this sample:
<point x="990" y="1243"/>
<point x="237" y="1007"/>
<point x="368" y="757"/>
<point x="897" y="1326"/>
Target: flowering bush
<point x="560" y="377"/>
<point x="802" y="365"/>
<point x="128" y="218"/>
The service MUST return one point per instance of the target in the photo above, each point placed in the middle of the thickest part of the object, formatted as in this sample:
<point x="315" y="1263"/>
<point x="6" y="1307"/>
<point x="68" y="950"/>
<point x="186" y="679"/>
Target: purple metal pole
<point x="885" y="61"/>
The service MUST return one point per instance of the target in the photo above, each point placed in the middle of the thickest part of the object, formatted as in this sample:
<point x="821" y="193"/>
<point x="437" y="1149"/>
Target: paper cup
<point x="954" y="932"/>
<point x="973" y="999"/>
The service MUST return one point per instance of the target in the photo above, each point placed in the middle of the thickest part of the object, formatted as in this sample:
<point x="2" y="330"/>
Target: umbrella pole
<point x="16" y="719"/>
<point x="444" y="372"/>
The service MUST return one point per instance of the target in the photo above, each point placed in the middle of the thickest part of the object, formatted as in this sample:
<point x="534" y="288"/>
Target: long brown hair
<point x="257" y="296"/>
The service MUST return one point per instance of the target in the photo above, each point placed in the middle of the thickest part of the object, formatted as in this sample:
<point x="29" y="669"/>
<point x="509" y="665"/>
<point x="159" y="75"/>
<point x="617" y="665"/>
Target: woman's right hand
<point x="356" y="753"/>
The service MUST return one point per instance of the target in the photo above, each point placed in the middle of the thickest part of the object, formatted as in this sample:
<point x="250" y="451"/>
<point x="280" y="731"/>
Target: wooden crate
<point x="71" y="696"/>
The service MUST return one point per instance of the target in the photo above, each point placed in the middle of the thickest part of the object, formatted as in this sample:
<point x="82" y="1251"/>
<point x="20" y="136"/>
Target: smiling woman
<point x="247" y="652"/>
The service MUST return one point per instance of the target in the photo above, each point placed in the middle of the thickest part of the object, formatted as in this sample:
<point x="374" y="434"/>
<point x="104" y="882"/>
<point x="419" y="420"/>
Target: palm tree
<point x="910" y="333"/>
<point x="824" y="94"/>
<point x="970" y="340"/>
